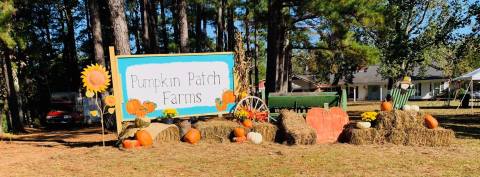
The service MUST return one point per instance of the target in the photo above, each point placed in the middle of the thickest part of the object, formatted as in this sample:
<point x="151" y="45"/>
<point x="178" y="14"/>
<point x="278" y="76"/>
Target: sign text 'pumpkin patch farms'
<point x="193" y="84"/>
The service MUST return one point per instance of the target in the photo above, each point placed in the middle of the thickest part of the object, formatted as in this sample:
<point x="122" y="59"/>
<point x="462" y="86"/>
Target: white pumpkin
<point x="363" y="125"/>
<point x="254" y="137"/>
<point x="407" y="108"/>
<point x="415" y="108"/>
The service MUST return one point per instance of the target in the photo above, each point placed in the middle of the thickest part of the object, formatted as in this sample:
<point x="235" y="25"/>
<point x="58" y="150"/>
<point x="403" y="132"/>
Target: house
<point x="368" y="84"/>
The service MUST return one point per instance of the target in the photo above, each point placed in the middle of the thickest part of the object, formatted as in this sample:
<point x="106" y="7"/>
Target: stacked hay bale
<point x="401" y="128"/>
<point x="296" y="130"/>
<point x="221" y="130"/>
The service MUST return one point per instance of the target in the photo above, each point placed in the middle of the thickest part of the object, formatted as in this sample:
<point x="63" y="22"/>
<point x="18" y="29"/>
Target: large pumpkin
<point x="149" y="106"/>
<point x="239" y="132"/>
<point x="228" y="97"/>
<point x="430" y="121"/>
<point x="133" y="105"/>
<point x="328" y="124"/>
<point x="192" y="136"/>
<point x="144" y="138"/>
<point x="386" y="106"/>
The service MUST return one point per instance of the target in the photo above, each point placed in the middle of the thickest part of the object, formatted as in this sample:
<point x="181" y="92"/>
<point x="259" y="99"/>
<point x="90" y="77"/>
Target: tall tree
<point x="220" y="25"/>
<point x="120" y="29"/>
<point x="96" y="28"/>
<point x="152" y="24"/>
<point x="183" y="25"/>
<point x="163" y="20"/>
<point x="144" y="6"/>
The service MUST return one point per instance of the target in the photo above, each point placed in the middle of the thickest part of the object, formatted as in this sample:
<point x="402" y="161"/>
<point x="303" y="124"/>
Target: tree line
<point x="45" y="43"/>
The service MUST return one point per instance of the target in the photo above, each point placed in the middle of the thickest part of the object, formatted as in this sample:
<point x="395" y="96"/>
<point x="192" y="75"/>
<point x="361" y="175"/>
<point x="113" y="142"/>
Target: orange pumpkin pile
<point x="135" y="107"/>
<point x="142" y="138"/>
<point x="239" y="135"/>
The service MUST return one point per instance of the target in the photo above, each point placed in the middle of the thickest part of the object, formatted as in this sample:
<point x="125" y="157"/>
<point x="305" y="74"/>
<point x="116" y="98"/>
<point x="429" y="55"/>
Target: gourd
<point x="239" y="132"/>
<point x="386" y="106"/>
<point x="142" y="122"/>
<point x="363" y="125"/>
<point x="144" y="138"/>
<point x="328" y="123"/>
<point x="247" y="123"/>
<point x="129" y="144"/>
<point x="254" y="137"/>
<point x="228" y="97"/>
<point x="133" y="105"/>
<point x="192" y="136"/>
<point x="430" y="121"/>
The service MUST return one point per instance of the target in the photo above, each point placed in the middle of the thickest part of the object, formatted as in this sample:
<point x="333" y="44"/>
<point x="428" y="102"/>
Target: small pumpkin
<point x="407" y="107"/>
<point x="239" y="132"/>
<point x="133" y="105"/>
<point x="129" y="144"/>
<point x="386" y="106"/>
<point x="240" y="139"/>
<point x="228" y="97"/>
<point x="144" y="138"/>
<point x="149" y="106"/>
<point x="192" y="136"/>
<point x="254" y="137"/>
<point x="430" y="121"/>
<point x="247" y="123"/>
<point x="363" y="125"/>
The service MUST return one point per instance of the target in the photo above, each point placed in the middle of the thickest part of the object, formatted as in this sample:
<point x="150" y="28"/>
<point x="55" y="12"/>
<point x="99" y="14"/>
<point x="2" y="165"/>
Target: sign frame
<point x="117" y="81"/>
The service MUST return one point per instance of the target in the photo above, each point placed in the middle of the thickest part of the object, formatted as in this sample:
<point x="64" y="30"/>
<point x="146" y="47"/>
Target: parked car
<point x="64" y="110"/>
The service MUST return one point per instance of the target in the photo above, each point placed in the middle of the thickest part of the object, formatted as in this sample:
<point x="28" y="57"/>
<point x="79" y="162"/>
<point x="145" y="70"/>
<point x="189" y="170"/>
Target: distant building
<point x="368" y="84"/>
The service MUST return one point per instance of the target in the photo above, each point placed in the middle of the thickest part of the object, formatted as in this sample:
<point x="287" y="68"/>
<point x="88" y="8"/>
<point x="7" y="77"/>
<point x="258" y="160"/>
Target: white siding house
<point x="368" y="84"/>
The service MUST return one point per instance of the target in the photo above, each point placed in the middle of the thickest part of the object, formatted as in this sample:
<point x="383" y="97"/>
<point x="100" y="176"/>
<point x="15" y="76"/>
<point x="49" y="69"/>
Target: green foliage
<point x="6" y="12"/>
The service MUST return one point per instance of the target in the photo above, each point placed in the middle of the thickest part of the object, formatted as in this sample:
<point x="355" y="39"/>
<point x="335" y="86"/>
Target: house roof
<point x="371" y="76"/>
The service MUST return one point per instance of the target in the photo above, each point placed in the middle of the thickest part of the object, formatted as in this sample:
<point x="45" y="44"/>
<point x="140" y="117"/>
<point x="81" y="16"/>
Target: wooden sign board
<point x="192" y="83"/>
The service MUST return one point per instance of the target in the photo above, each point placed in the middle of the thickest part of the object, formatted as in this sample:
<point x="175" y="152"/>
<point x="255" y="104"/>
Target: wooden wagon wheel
<point x="255" y="106"/>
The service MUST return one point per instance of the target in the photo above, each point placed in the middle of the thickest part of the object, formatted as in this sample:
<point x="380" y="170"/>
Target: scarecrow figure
<point x="404" y="90"/>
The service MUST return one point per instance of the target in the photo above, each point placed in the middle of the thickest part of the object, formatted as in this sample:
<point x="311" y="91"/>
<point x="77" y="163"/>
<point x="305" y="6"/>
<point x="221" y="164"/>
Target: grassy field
<point x="76" y="153"/>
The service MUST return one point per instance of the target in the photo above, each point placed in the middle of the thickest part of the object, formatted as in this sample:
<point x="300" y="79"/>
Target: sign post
<point x="194" y="84"/>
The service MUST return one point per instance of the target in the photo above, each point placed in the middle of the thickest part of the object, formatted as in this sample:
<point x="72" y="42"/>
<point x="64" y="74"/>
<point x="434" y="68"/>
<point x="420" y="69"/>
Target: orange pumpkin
<point x="430" y="121"/>
<point x="141" y="112"/>
<point x="192" y="136"/>
<point x="386" y="106"/>
<point x="240" y="139"/>
<point x="328" y="124"/>
<point x="144" y="138"/>
<point x="247" y="123"/>
<point x="228" y="97"/>
<point x="221" y="106"/>
<point x="129" y="144"/>
<point x="132" y="106"/>
<point x="149" y="106"/>
<point x="239" y="132"/>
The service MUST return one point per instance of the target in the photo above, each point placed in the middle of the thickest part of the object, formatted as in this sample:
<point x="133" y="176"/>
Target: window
<point x="418" y="92"/>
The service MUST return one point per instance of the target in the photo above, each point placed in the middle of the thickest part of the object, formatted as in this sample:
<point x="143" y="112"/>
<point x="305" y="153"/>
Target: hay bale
<point x="216" y="130"/>
<point x="295" y="129"/>
<point x="268" y="131"/>
<point x="163" y="132"/>
<point x="422" y="137"/>
<point x="364" y="136"/>
<point x="399" y="119"/>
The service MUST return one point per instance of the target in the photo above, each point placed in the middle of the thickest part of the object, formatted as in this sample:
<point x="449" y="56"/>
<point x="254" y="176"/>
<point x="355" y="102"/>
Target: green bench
<point x="301" y="101"/>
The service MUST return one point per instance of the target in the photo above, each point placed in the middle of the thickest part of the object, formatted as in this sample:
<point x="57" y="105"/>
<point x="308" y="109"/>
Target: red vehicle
<point x="64" y="110"/>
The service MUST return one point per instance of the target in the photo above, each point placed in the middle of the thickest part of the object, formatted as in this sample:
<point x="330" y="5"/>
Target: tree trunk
<point x="16" y="124"/>
<point x="198" y="27"/>
<point x="164" y="26"/>
<point x="136" y="31"/>
<point x="231" y="28"/>
<point x="220" y="25"/>
<point x="96" y="32"/>
<point x="120" y="30"/>
<point x="277" y="41"/>
<point x="183" y="25"/>
<point x="144" y="5"/>
<point x="153" y="22"/>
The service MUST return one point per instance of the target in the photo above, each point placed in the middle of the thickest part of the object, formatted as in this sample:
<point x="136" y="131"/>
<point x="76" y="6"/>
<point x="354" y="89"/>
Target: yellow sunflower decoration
<point x="95" y="78"/>
<point x="109" y="100"/>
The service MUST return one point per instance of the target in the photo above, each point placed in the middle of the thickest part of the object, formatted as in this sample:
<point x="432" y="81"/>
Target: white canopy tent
<point x="471" y="76"/>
